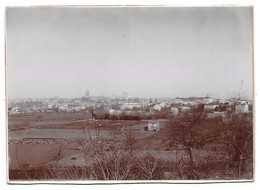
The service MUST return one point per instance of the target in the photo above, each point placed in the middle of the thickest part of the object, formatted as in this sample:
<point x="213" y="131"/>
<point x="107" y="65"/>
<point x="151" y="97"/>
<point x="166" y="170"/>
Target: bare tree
<point x="112" y="164"/>
<point x="148" y="165"/>
<point x="239" y="140"/>
<point x="187" y="134"/>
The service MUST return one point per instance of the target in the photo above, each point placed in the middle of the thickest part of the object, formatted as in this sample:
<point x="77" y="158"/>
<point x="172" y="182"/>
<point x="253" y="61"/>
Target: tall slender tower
<point x="124" y="96"/>
<point x="87" y="94"/>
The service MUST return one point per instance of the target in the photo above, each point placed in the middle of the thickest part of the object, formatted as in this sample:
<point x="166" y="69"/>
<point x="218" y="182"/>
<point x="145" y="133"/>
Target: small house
<point x="210" y="106"/>
<point x="242" y="108"/>
<point x="153" y="125"/>
<point x="174" y="110"/>
<point x="157" y="107"/>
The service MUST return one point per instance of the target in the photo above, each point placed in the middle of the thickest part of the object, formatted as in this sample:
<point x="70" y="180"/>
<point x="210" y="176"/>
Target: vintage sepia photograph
<point x="129" y="94"/>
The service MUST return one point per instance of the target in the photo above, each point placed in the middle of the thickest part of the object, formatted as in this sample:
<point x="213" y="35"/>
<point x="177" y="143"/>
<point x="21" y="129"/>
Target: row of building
<point x="116" y="106"/>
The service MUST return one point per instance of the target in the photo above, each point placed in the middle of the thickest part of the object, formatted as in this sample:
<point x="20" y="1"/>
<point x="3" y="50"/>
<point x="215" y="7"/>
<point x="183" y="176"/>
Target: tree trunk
<point x="191" y="158"/>
<point x="192" y="176"/>
<point x="239" y="168"/>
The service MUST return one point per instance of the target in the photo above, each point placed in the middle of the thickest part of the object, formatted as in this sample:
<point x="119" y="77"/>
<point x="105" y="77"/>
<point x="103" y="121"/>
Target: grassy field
<point x="65" y="139"/>
<point x="38" y="134"/>
<point x="28" y="120"/>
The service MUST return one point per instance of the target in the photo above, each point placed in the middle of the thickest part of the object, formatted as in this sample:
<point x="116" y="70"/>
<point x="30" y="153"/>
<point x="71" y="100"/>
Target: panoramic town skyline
<point x="99" y="94"/>
<point x="146" y="52"/>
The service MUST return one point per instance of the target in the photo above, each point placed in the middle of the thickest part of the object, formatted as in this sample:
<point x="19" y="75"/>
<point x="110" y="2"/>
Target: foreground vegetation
<point x="203" y="148"/>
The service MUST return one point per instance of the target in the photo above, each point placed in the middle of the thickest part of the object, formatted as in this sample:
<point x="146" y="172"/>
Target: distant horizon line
<point x="157" y="97"/>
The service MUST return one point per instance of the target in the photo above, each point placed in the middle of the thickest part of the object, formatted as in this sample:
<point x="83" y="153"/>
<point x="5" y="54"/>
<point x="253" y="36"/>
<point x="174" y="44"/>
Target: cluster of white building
<point x="114" y="105"/>
<point x="242" y="107"/>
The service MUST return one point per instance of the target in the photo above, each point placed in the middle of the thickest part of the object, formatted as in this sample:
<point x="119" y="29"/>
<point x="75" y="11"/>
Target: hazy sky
<point x="143" y="51"/>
